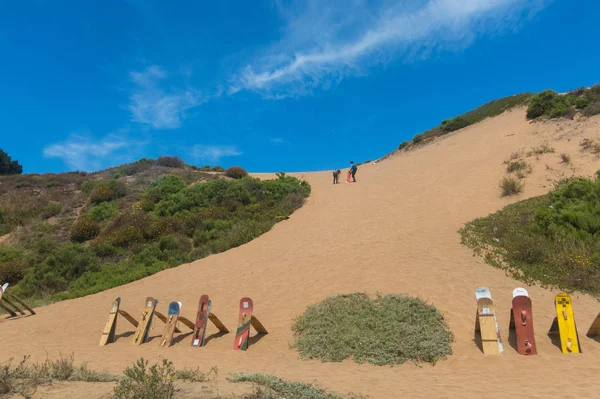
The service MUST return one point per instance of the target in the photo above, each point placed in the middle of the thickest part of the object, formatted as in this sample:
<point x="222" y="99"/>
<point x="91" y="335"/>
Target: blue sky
<point x="269" y="85"/>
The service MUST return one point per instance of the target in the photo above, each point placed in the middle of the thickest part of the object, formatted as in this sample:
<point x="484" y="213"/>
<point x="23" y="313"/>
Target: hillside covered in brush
<point x="72" y="234"/>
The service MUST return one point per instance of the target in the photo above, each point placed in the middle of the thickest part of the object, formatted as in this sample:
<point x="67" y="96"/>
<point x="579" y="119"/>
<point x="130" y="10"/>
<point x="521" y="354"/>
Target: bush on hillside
<point x="236" y="172"/>
<point x="552" y="239"/>
<point x="548" y="103"/>
<point x="161" y="189"/>
<point x="102" y="211"/>
<point x="84" y="229"/>
<point x="390" y="329"/>
<point x="403" y="145"/>
<point x="510" y="186"/>
<point x="12" y="265"/>
<point x="51" y="210"/>
<point x="170" y="162"/>
<point x="454" y="124"/>
<point x="417" y="139"/>
<point x="143" y="382"/>
<point x="105" y="190"/>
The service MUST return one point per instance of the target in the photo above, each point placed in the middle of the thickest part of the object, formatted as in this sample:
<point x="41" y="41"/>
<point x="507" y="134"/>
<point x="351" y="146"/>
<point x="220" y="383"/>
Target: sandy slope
<point x="393" y="231"/>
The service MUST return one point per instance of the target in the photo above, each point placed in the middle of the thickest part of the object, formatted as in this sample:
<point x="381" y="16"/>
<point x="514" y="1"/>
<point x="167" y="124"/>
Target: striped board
<point x="564" y="324"/>
<point x="108" y="334"/>
<point x="486" y="323"/>
<point x="521" y="319"/>
<point x="141" y="333"/>
<point x="171" y="324"/>
<point x="242" y="333"/>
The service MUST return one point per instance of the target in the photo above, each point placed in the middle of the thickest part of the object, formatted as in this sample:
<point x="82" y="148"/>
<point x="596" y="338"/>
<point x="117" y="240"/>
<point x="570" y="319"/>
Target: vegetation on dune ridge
<point x="546" y="104"/>
<point x="552" y="239"/>
<point x="75" y="234"/>
<point x="390" y="329"/>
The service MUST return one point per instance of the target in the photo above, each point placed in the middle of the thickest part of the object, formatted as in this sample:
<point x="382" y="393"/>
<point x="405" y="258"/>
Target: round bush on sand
<point x="390" y="329"/>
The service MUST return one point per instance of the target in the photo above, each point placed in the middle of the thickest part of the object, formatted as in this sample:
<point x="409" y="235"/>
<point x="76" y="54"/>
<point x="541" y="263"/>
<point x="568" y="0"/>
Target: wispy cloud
<point x="323" y="43"/>
<point x="213" y="153"/>
<point x="152" y="104"/>
<point x="80" y="152"/>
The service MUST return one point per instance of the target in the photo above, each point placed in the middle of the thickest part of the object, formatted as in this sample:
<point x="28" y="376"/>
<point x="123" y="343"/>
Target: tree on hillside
<point x="8" y="166"/>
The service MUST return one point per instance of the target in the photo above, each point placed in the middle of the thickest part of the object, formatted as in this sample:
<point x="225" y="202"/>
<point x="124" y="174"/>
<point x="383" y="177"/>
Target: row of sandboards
<point x="140" y="336"/>
<point x="10" y="303"/>
<point x="521" y="320"/>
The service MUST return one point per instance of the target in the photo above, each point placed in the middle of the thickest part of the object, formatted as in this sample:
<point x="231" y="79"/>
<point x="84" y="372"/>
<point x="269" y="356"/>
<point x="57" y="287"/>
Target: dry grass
<point x="591" y="145"/>
<point x="565" y="158"/>
<point x="510" y="186"/>
<point x="542" y="149"/>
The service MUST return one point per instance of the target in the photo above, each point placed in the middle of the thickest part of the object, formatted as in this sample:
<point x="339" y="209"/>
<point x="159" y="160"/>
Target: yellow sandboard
<point x="567" y="329"/>
<point x="141" y="333"/>
<point x="108" y="335"/>
<point x="486" y="325"/>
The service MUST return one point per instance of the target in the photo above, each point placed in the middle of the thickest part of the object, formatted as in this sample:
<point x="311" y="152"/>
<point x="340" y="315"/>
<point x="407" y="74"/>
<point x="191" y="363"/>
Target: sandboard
<point x="108" y="334"/>
<point x="141" y="333"/>
<point x="565" y="324"/>
<point x="198" y="336"/>
<point x="594" y="330"/>
<point x="173" y="315"/>
<point x="242" y="333"/>
<point x="486" y="323"/>
<point x="521" y="319"/>
<point x="348" y="176"/>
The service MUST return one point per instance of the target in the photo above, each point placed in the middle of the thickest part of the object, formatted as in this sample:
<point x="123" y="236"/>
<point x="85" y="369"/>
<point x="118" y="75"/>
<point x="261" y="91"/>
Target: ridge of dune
<point x="395" y="231"/>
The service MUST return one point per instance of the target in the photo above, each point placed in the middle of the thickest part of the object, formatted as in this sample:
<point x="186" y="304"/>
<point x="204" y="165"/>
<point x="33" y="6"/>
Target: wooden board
<point x="173" y="315"/>
<point x="486" y="325"/>
<point x="522" y="320"/>
<point x="594" y="330"/>
<point x="569" y="340"/>
<point x="141" y="333"/>
<point x="163" y="318"/>
<point x="242" y="333"/>
<point x="199" y="335"/>
<point x="108" y="334"/>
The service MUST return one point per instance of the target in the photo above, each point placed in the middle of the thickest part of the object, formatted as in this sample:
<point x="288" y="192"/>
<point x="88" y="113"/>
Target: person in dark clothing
<point x="336" y="176"/>
<point x="353" y="169"/>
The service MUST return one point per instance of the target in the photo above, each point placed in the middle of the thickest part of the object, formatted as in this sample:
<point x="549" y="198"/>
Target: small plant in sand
<point x="510" y="186"/>
<point x="143" y="382"/>
<point x="591" y="145"/>
<point x="565" y="158"/>
<point x="390" y="329"/>
<point x="516" y="166"/>
<point x="270" y="387"/>
<point x="542" y="149"/>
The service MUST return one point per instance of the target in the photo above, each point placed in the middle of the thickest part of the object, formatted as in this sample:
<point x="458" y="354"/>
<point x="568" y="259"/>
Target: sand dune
<point x="395" y="231"/>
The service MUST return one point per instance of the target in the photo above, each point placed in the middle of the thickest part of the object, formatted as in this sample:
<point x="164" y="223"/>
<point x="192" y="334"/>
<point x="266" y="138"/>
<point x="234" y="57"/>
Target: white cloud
<point x="213" y="153"/>
<point x="83" y="153"/>
<point x="151" y="104"/>
<point x="323" y="42"/>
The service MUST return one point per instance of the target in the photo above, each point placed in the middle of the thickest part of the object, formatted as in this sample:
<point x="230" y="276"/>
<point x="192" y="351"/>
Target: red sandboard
<point x="348" y="176"/>
<point x="201" y="319"/>
<point x="243" y="331"/>
<point x="523" y="322"/>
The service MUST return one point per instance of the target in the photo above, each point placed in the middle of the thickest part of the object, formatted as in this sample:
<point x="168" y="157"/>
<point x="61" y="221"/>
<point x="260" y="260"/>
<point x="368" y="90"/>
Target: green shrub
<point x="417" y="139"/>
<point x="161" y="189"/>
<point x="592" y="109"/>
<point x="516" y="166"/>
<point x="541" y="104"/>
<point x="170" y="162"/>
<point x="50" y="210"/>
<point x="84" y="229"/>
<point x="454" y="124"/>
<point x="107" y="191"/>
<point x="141" y="382"/>
<point x="236" y="172"/>
<point x="403" y="145"/>
<point x="13" y="266"/>
<point x="8" y="166"/>
<point x="130" y="228"/>
<point x="102" y="211"/>
<point x="391" y="329"/>
<point x="276" y="388"/>
<point x="510" y="186"/>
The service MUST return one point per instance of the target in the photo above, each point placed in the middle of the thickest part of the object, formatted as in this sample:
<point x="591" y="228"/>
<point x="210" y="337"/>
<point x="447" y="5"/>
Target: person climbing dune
<point x="353" y="169"/>
<point x="336" y="176"/>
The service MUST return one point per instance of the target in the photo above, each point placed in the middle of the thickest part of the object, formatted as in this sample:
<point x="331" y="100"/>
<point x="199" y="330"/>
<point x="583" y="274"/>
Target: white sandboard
<point x="3" y="288"/>
<point x="520" y="292"/>
<point x="484" y="292"/>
